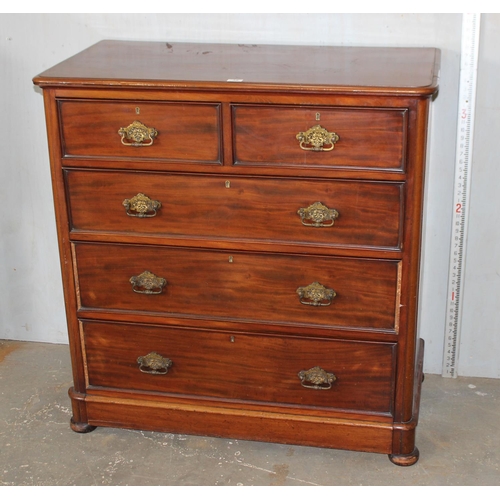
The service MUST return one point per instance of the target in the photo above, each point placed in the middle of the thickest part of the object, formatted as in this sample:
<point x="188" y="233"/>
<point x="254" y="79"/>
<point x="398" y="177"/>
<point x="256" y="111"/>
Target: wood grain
<point x="374" y="70"/>
<point x="367" y="137"/>
<point x="206" y="206"/>
<point x="246" y="287"/>
<point x="230" y="175"/>
<point x="242" y="366"/>
<point x="186" y="131"/>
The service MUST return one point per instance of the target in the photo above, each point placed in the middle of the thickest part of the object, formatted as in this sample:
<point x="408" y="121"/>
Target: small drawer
<point x="326" y="292"/>
<point x="357" y="376"/>
<point x="180" y="132"/>
<point x="333" y="213"/>
<point x="319" y="137"/>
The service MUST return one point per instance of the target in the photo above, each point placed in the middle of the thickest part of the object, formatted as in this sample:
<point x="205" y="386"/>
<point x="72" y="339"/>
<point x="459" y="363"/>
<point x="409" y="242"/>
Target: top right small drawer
<point x="372" y="138"/>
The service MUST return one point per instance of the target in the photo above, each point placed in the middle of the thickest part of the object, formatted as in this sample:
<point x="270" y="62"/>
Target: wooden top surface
<point x="123" y="64"/>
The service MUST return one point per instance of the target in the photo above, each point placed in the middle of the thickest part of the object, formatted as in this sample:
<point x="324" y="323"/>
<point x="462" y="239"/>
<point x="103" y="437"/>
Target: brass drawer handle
<point x="316" y="378"/>
<point x="318" y="215"/>
<point x="316" y="138"/>
<point x="154" y="364"/>
<point x="136" y="133"/>
<point x="147" y="283"/>
<point x="315" y="294"/>
<point x="141" y="206"/>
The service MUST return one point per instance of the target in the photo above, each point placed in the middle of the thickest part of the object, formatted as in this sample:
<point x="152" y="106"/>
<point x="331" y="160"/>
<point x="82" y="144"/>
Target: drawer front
<point x="354" y="137"/>
<point x="248" y="287"/>
<point x="143" y="130"/>
<point x="353" y="376"/>
<point x="353" y="214"/>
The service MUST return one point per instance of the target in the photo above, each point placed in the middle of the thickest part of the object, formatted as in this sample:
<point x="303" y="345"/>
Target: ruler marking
<point x="467" y="92"/>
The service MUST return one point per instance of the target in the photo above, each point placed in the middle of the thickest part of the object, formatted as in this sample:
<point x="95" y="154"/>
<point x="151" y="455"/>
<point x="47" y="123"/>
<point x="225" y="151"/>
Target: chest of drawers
<point x="239" y="232"/>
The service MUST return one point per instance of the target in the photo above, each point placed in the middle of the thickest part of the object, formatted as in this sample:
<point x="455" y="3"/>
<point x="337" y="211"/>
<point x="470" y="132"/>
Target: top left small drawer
<point x="172" y="131"/>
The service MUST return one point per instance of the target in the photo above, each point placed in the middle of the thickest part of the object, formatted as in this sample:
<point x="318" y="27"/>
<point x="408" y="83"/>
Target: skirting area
<point x="458" y="437"/>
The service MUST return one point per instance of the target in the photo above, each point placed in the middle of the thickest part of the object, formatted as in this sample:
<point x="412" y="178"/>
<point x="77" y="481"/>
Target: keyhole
<point x="318" y="116"/>
<point x="138" y="110"/>
<point x="228" y="184"/>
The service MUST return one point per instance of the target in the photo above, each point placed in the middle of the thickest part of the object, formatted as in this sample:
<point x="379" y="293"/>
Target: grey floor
<point x="458" y="438"/>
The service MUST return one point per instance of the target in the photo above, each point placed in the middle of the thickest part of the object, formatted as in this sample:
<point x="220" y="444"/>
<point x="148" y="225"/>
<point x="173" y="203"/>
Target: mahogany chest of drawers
<point x="239" y="232"/>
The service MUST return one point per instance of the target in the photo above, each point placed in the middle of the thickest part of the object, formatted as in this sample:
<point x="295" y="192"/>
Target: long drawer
<point x="316" y="136"/>
<point x="185" y="132"/>
<point x="244" y="287"/>
<point x="280" y="370"/>
<point x="333" y="213"/>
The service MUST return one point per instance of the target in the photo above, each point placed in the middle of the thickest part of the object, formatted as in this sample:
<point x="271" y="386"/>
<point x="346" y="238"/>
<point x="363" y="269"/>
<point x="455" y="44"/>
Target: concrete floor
<point x="458" y="437"/>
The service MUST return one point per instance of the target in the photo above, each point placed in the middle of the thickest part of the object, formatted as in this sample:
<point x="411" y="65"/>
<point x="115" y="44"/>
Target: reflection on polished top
<point x="163" y="64"/>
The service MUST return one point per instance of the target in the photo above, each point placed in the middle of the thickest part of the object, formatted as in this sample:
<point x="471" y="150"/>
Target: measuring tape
<point x="463" y="160"/>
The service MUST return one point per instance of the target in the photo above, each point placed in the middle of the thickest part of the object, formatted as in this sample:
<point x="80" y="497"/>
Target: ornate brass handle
<point x="315" y="294"/>
<point x="147" y="283"/>
<point x="136" y="133"/>
<point x="316" y="378"/>
<point x="318" y="215"/>
<point x="316" y="138"/>
<point x="141" y="206"/>
<point x="154" y="364"/>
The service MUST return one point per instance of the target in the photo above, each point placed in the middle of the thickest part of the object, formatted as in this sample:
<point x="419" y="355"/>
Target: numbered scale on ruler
<point x="463" y="157"/>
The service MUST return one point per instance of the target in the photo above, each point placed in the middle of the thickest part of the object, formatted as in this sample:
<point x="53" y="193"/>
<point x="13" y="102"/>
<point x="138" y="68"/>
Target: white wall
<point x="31" y="303"/>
